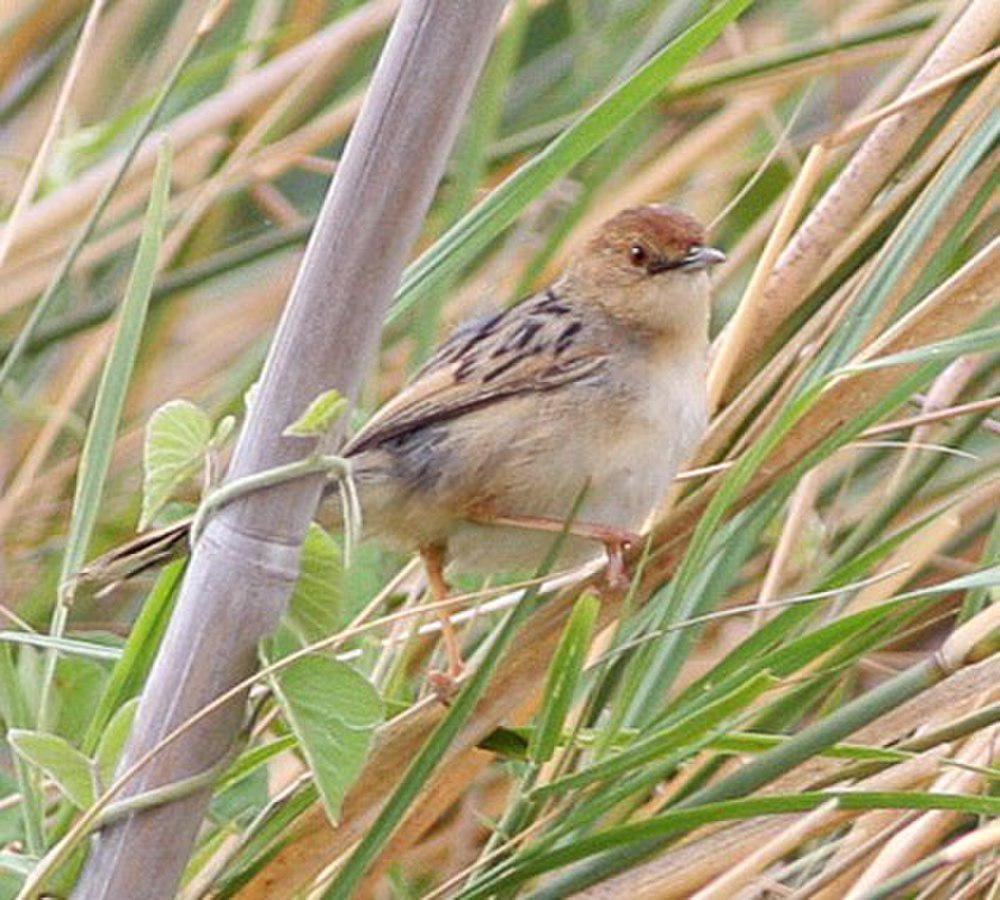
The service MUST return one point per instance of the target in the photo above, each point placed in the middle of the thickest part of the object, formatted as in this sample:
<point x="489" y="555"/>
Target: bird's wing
<point x="536" y="346"/>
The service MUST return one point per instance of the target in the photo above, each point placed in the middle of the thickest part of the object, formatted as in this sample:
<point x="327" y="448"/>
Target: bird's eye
<point x="637" y="254"/>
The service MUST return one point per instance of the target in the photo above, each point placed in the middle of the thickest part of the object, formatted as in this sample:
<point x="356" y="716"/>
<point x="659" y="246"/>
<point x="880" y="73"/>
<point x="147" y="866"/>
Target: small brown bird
<point x="593" y="387"/>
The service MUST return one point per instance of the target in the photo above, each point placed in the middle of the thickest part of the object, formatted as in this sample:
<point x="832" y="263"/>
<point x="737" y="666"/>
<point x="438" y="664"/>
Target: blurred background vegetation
<point x="815" y="611"/>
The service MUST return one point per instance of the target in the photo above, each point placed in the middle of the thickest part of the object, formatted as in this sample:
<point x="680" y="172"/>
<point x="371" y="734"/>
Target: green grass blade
<point x="659" y="660"/>
<point x="69" y="646"/>
<point x="980" y="596"/>
<point x="768" y="766"/>
<point x="478" y="228"/>
<point x="16" y="714"/>
<point x="743" y="69"/>
<point x="683" y="820"/>
<point x="47" y="299"/>
<point x="902" y="251"/>
<point x="136" y="658"/>
<point x="976" y="341"/>
<point x="98" y="446"/>
<point x="564" y="675"/>
<point x="472" y="155"/>
<point x="684" y="732"/>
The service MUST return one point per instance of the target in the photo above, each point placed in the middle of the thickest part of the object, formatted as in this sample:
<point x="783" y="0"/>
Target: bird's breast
<point x="656" y="430"/>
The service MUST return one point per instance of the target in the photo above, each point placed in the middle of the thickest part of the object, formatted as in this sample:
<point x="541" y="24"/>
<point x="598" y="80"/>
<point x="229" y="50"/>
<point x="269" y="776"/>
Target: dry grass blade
<point x="52" y="214"/>
<point x="867" y="171"/>
<point x="41" y="157"/>
<point x="753" y="311"/>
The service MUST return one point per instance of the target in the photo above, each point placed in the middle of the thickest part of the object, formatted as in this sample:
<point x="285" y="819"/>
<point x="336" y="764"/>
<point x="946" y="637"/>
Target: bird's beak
<point x="696" y="258"/>
<point x="703" y="258"/>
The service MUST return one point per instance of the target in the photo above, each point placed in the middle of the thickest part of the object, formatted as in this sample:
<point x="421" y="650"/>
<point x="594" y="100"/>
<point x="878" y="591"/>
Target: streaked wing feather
<point x="538" y="345"/>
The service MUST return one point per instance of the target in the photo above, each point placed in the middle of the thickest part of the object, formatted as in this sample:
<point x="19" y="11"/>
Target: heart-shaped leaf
<point x="177" y="437"/>
<point x="334" y="712"/>
<point x="314" y="610"/>
<point x="72" y="772"/>
<point x="112" y="742"/>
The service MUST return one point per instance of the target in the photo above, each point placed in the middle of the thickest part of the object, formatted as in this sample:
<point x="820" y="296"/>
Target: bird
<point x="579" y="402"/>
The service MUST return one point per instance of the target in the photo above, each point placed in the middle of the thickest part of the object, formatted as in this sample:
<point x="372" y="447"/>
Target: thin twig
<point x="959" y="73"/>
<point x="951" y="412"/>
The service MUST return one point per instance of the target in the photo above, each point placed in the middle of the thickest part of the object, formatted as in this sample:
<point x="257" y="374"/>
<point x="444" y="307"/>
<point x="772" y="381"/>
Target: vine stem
<point x="165" y="793"/>
<point x="314" y="464"/>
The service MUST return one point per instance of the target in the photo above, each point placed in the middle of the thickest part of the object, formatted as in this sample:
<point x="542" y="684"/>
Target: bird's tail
<point x="147" y="551"/>
<point x="156" y="548"/>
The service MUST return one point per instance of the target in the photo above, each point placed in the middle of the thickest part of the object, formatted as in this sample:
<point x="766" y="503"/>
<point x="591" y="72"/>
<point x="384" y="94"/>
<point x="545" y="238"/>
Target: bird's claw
<point x="616" y="573"/>
<point x="616" y="576"/>
<point x="445" y="684"/>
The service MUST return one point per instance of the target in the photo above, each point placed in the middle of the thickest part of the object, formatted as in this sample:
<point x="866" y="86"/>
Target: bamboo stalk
<point x="244" y="567"/>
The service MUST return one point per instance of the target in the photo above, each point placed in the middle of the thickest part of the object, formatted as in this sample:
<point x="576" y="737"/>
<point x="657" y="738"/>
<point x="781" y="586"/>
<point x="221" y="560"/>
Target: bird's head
<point x="649" y="266"/>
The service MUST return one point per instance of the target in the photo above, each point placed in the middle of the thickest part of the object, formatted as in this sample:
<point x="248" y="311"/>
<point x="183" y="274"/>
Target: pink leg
<point x="615" y="540"/>
<point x="444" y="683"/>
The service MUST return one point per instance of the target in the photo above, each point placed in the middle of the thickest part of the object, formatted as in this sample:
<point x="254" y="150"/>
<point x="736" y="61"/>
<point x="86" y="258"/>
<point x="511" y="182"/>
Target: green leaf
<point x="319" y="415"/>
<point x="334" y="712"/>
<point x="314" y="610"/>
<point x="78" y="686"/>
<point x="223" y="428"/>
<point x="64" y="764"/>
<point x="976" y="341"/>
<point x="564" y="674"/>
<point x="250" y="396"/>
<point x="177" y="438"/>
<point x="103" y="427"/>
<point x="129" y="674"/>
<point x="112" y="742"/>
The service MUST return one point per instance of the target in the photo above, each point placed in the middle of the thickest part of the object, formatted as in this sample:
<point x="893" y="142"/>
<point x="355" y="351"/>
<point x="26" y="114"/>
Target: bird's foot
<point x="616" y="541"/>
<point x="617" y="576"/>
<point x="446" y="683"/>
